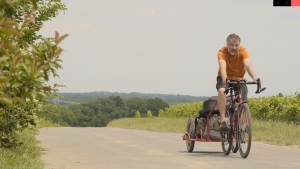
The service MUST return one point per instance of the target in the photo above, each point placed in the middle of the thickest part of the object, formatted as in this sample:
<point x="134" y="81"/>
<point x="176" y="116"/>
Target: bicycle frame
<point x="233" y="98"/>
<point x="237" y="96"/>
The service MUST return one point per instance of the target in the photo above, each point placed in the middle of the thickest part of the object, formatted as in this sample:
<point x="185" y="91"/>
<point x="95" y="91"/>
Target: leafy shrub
<point x="26" y="63"/>
<point x="149" y="114"/>
<point x="137" y="114"/>
<point x="272" y="108"/>
<point x="17" y="118"/>
<point x="182" y="110"/>
<point x="276" y="108"/>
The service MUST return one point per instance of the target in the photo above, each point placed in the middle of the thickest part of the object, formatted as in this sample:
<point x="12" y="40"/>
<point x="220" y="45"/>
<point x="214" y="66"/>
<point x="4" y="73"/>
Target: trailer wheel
<point x="190" y="128"/>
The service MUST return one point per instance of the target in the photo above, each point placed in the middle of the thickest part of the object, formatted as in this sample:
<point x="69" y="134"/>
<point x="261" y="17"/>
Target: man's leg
<point x="221" y="103"/>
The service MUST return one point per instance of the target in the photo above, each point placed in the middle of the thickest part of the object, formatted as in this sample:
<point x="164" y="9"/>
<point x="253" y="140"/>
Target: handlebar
<point x="240" y="82"/>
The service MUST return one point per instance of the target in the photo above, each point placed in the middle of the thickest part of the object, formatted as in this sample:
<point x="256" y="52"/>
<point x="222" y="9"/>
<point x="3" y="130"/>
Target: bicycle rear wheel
<point x="226" y="141"/>
<point x="226" y="138"/>
<point x="245" y="130"/>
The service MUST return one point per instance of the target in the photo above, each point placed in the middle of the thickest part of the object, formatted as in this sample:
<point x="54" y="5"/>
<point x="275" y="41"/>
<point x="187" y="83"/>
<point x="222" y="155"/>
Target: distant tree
<point x="280" y="95"/>
<point x="137" y="104"/>
<point x="117" y="113"/>
<point x="95" y="105"/>
<point x="58" y="114"/>
<point x="137" y="114"/>
<point x="168" y="98"/>
<point x="99" y="112"/>
<point x="155" y="104"/>
<point x="103" y="120"/>
<point x="160" y="112"/>
<point x="107" y="106"/>
<point x="82" y="113"/>
<point x="149" y="114"/>
<point x="113" y="107"/>
<point x="119" y="102"/>
<point x="66" y="115"/>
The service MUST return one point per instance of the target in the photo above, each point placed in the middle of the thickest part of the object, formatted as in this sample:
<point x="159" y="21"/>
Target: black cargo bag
<point x="207" y="106"/>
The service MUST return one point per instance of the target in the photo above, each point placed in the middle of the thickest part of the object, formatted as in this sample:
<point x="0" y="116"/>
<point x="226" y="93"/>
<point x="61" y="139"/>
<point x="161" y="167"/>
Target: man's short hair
<point x="233" y="36"/>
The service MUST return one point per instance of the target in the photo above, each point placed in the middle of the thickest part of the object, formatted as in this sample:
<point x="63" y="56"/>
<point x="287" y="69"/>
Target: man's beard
<point x="232" y="52"/>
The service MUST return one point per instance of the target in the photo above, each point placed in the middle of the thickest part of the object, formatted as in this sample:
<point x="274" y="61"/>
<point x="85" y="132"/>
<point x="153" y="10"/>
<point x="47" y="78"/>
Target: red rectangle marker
<point x="295" y="3"/>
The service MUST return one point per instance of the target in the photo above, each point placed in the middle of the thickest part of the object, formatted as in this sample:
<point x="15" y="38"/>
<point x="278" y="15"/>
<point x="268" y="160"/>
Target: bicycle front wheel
<point x="234" y="130"/>
<point x="245" y="130"/>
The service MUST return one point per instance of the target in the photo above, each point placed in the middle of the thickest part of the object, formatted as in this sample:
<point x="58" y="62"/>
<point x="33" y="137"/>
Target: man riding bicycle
<point x="233" y="61"/>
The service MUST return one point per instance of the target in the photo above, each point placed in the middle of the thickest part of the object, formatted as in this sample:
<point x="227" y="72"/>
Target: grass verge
<point x="28" y="154"/>
<point x="157" y="124"/>
<point x="24" y="156"/>
<point x="42" y="122"/>
<point x="276" y="133"/>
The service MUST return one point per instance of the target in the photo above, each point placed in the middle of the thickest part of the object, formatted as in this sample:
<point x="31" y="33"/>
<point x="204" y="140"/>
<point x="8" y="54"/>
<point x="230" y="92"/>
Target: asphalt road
<point x="113" y="148"/>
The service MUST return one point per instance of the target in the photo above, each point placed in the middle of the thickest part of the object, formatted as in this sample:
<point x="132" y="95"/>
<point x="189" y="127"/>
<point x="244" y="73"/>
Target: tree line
<point x="171" y="99"/>
<point x="99" y="112"/>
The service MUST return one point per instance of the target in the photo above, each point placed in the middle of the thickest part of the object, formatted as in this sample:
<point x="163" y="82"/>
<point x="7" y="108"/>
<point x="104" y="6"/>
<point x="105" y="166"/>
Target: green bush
<point x="149" y="114"/>
<point x="137" y="114"/>
<point x="276" y="108"/>
<point x="272" y="108"/>
<point x="17" y="118"/>
<point x="182" y="110"/>
<point x="27" y="62"/>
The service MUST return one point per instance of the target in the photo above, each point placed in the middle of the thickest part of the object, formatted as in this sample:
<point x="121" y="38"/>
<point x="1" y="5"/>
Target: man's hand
<point x="224" y="80"/>
<point x="255" y="80"/>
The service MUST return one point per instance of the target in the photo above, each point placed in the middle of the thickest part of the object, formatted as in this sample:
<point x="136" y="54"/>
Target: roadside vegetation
<point x="272" y="108"/>
<point x="275" y="119"/>
<point x="28" y="152"/>
<point x="276" y="133"/>
<point x="27" y="62"/>
<point x="26" y="155"/>
<point x="279" y="131"/>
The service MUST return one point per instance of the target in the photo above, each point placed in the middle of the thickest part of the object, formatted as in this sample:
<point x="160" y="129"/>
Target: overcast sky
<point x="170" y="46"/>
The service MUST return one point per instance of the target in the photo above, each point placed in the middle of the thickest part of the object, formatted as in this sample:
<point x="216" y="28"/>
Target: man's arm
<point x="222" y="65"/>
<point x="249" y="69"/>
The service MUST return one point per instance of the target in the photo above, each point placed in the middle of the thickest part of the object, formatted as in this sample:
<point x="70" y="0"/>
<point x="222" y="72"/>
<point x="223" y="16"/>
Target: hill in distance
<point x="171" y="99"/>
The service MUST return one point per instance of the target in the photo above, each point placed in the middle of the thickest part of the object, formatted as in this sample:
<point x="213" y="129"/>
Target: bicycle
<point x="240" y="129"/>
<point x="239" y="135"/>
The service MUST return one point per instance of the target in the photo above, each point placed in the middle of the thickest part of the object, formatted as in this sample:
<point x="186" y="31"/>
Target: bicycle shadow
<point x="210" y="154"/>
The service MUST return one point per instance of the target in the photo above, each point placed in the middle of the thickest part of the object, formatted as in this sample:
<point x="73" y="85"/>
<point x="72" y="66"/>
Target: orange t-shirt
<point x="234" y="64"/>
